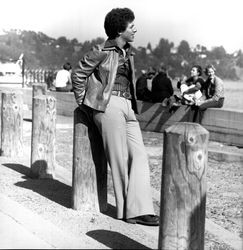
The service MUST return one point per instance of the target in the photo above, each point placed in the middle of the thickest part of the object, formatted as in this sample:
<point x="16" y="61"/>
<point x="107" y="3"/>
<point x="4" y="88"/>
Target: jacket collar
<point x="110" y="44"/>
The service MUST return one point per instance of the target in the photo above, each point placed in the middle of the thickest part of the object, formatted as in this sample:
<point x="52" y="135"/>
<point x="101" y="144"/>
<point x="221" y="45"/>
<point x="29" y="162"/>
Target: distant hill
<point x="42" y="51"/>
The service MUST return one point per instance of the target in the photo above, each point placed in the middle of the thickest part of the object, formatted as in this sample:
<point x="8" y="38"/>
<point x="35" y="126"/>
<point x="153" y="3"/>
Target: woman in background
<point x="214" y="92"/>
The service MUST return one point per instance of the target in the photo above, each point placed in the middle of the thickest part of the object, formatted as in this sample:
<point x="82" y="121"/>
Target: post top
<point x="185" y="128"/>
<point x="44" y="97"/>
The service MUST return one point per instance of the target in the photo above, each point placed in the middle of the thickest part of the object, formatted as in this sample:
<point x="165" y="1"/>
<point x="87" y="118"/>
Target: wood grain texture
<point x="12" y="124"/>
<point x="39" y="89"/>
<point x="183" y="188"/>
<point x="43" y="137"/>
<point x="89" y="187"/>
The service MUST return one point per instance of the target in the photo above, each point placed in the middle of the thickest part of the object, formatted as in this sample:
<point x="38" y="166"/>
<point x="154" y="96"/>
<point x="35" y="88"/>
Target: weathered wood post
<point x="12" y="124"/>
<point x="89" y="186"/>
<point x="43" y="137"/>
<point x="183" y="187"/>
<point x="38" y="89"/>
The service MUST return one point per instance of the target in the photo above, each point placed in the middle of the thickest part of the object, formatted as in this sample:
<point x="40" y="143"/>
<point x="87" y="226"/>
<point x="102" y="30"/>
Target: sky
<point x="206" y="22"/>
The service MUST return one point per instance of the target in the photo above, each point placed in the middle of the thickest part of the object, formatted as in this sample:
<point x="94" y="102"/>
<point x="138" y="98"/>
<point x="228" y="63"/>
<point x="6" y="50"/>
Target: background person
<point x="214" y="91"/>
<point x="109" y="100"/>
<point x="63" y="81"/>
<point x="192" y="88"/>
<point x="161" y="86"/>
<point x="142" y="91"/>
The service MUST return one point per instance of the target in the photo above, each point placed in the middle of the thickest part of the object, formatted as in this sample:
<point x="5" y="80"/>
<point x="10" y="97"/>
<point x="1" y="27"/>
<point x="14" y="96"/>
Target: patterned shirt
<point x="122" y="82"/>
<point x="215" y="89"/>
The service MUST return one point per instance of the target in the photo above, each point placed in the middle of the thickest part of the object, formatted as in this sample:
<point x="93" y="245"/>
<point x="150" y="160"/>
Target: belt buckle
<point x="126" y="95"/>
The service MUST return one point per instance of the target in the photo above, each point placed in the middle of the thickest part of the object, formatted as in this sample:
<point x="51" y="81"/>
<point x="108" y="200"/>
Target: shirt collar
<point x="111" y="44"/>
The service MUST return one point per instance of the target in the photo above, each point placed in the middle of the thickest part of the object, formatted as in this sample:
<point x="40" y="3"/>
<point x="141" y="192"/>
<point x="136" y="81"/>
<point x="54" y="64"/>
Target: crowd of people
<point x="200" y="94"/>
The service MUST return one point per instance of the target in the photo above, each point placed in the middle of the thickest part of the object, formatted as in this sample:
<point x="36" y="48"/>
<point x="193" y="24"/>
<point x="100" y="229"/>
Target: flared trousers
<point x="127" y="157"/>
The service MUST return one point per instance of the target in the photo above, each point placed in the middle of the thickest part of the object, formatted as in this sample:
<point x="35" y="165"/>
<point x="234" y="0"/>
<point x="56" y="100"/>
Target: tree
<point x="149" y="47"/>
<point x="239" y="61"/>
<point x="74" y="41"/>
<point x="62" y="41"/>
<point x="184" y="49"/>
<point x="218" y="53"/>
<point x="162" y="50"/>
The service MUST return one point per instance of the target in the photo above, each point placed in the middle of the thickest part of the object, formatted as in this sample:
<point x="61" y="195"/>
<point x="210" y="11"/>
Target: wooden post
<point x="89" y="187"/>
<point x="37" y="89"/>
<point x="43" y="137"/>
<point x="12" y="124"/>
<point x="183" y="187"/>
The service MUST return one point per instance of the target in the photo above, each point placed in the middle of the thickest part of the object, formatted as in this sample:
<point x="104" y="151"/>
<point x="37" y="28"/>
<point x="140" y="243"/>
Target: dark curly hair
<point x="116" y="21"/>
<point x="199" y="69"/>
<point x="67" y="66"/>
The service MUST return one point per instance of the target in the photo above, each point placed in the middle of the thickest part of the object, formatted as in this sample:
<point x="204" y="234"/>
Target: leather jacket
<point x="94" y="77"/>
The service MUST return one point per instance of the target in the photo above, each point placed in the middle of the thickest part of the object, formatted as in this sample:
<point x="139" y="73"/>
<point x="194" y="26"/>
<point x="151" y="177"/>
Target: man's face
<point x="129" y="34"/>
<point x="194" y="72"/>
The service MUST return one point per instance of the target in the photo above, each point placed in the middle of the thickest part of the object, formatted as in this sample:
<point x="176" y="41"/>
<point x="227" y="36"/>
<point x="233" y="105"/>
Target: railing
<point x="39" y="76"/>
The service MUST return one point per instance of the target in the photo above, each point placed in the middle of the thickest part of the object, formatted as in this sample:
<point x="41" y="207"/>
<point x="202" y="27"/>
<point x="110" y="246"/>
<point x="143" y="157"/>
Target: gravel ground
<point x="224" y="180"/>
<point x="224" y="196"/>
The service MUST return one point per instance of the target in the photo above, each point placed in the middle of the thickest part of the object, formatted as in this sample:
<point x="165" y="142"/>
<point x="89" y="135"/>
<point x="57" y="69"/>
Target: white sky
<point x="205" y="22"/>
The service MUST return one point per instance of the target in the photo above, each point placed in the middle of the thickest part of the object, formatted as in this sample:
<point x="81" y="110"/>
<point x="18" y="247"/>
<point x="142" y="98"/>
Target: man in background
<point x="142" y="91"/>
<point x="63" y="81"/>
<point x="161" y="86"/>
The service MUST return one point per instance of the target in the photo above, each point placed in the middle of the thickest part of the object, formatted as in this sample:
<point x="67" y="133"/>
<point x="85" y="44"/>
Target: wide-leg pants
<point x="127" y="157"/>
<point x="199" y="110"/>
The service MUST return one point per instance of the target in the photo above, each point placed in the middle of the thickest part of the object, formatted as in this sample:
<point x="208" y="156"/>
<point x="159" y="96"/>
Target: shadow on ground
<point x="111" y="211"/>
<point x="115" y="240"/>
<point x="52" y="189"/>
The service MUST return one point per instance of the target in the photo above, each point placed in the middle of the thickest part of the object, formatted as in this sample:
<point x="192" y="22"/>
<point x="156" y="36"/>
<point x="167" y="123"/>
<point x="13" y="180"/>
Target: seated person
<point x="161" y="86"/>
<point x="214" y="92"/>
<point x="63" y="81"/>
<point x="193" y="88"/>
<point x="142" y="91"/>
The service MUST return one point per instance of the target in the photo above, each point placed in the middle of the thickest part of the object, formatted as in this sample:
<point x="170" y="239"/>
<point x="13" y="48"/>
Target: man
<point x="103" y="84"/>
<point x="161" y="86"/>
<point x="142" y="91"/>
<point x="63" y="78"/>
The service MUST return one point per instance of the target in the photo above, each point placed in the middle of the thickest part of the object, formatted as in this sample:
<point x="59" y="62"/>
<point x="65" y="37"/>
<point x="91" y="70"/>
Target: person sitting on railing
<point x="191" y="89"/>
<point x="161" y="85"/>
<point x="63" y="81"/>
<point x="142" y="91"/>
<point x="214" y="91"/>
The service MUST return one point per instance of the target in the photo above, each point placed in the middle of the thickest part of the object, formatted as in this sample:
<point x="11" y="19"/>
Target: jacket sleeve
<point x="85" y="68"/>
<point x="219" y="90"/>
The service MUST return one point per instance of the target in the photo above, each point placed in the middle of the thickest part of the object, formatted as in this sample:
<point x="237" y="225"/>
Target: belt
<point x="120" y="93"/>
